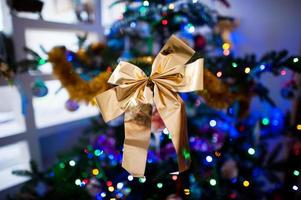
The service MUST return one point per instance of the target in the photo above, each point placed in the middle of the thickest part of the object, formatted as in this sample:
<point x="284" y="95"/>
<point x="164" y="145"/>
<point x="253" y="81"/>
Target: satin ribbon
<point x="135" y="93"/>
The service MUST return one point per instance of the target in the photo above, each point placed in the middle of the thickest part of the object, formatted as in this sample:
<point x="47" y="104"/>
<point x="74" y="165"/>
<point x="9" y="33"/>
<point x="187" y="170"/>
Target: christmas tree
<point x="235" y="154"/>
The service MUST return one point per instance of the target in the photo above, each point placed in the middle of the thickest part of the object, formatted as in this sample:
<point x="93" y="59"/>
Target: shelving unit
<point x="25" y="119"/>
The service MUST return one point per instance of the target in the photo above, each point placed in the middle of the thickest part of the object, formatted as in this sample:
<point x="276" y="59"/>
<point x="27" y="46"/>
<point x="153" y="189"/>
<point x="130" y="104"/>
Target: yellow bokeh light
<point x="111" y="188"/>
<point x="171" y="6"/>
<point x="187" y="191"/>
<point x="247" y="70"/>
<point x="299" y="127"/>
<point x="226" y="46"/>
<point x="246" y="183"/>
<point x="95" y="172"/>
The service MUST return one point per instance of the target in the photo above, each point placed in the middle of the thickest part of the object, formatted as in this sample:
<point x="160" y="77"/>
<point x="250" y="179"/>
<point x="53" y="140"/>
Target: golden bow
<point x="135" y="93"/>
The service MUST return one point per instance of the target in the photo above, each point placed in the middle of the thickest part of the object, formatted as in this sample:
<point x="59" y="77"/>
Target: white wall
<point x="266" y="25"/>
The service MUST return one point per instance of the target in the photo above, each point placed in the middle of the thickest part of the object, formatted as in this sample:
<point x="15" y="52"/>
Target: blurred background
<point x="244" y="127"/>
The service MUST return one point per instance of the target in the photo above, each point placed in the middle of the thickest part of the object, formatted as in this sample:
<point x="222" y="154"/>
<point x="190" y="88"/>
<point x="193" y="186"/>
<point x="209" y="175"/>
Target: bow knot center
<point x="150" y="83"/>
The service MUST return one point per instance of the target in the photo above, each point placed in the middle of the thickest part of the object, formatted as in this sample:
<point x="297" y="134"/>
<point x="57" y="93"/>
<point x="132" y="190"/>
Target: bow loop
<point x="174" y="52"/>
<point x="126" y="73"/>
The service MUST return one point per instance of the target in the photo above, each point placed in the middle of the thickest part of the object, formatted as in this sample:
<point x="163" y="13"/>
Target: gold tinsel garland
<point x="216" y="93"/>
<point x="78" y="89"/>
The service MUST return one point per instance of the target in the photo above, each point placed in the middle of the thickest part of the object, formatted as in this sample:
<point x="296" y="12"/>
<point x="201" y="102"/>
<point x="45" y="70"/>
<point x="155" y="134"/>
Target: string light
<point x="226" y="52"/>
<point x="299" y="127"/>
<point x="142" y="180"/>
<point x="209" y="159"/>
<point x="84" y="182"/>
<point x="119" y="186"/>
<point x="149" y="59"/>
<point x="132" y="24"/>
<point x="283" y="72"/>
<point x="95" y="172"/>
<point x="164" y="22"/>
<point x="233" y="195"/>
<point x="246" y="183"/>
<point x="171" y="6"/>
<point x="69" y="57"/>
<point x="165" y="131"/>
<point x="130" y="178"/>
<point x="189" y="28"/>
<point x="212" y="123"/>
<point x="42" y="61"/>
<point x="187" y="191"/>
<point x="295" y="60"/>
<point x="275" y="122"/>
<point x="217" y="154"/>
<point x="265" y="121"/>
<point x="295" y="187"/>
<point x="111" y="188"/>
<point x="103" y="194"/>
<point x="77" y="182"/>
<point x="72" y="163"/>
<point x="145" y="3"/>
<point x="186" y="154"/>
<point x="251" y="151"/>
<point x="174" y="177"/>
<point x="111" y="157"/>
<point x="247" y="70"/>
<point x="159" y="185"/>
<point x="109" y="183"/>
<point x="98" y="152"/>
<point x="212" y="182"/>
<point x="62" y="165"/>
<point x="234" y="65"/>
<point x="142" y="10"/>
<point x="262" y="67"/>
<point x="219" y="74"/>
<point x="226" y="46"/>
<point x="296" y="173"/>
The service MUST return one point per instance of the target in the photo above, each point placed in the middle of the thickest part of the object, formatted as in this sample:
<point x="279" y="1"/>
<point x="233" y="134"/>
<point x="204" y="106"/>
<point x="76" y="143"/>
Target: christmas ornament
<point x="39" y="89"/>
<point x="199" y="42"/>
<point x="135" y="94"/>
<point x="71" y="105"/>
<point x="289" y="89"/>
<point x="93" y="186"/>
<point x="229" y="169"/>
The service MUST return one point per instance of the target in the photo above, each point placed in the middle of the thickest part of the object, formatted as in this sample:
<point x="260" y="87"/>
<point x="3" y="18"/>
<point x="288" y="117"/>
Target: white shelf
<point x="50" y="110"/>
<point x="46" y="115"/>
<point x="13" y="157"/>
<point x="11" y="118"/>
<point x="61" y="12"/>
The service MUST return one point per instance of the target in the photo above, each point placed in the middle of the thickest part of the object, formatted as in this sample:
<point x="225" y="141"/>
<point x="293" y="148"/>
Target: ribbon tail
<point x="137" y="124"/>
<point x="109" y="105"/>
<point x="172" y="111"/>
